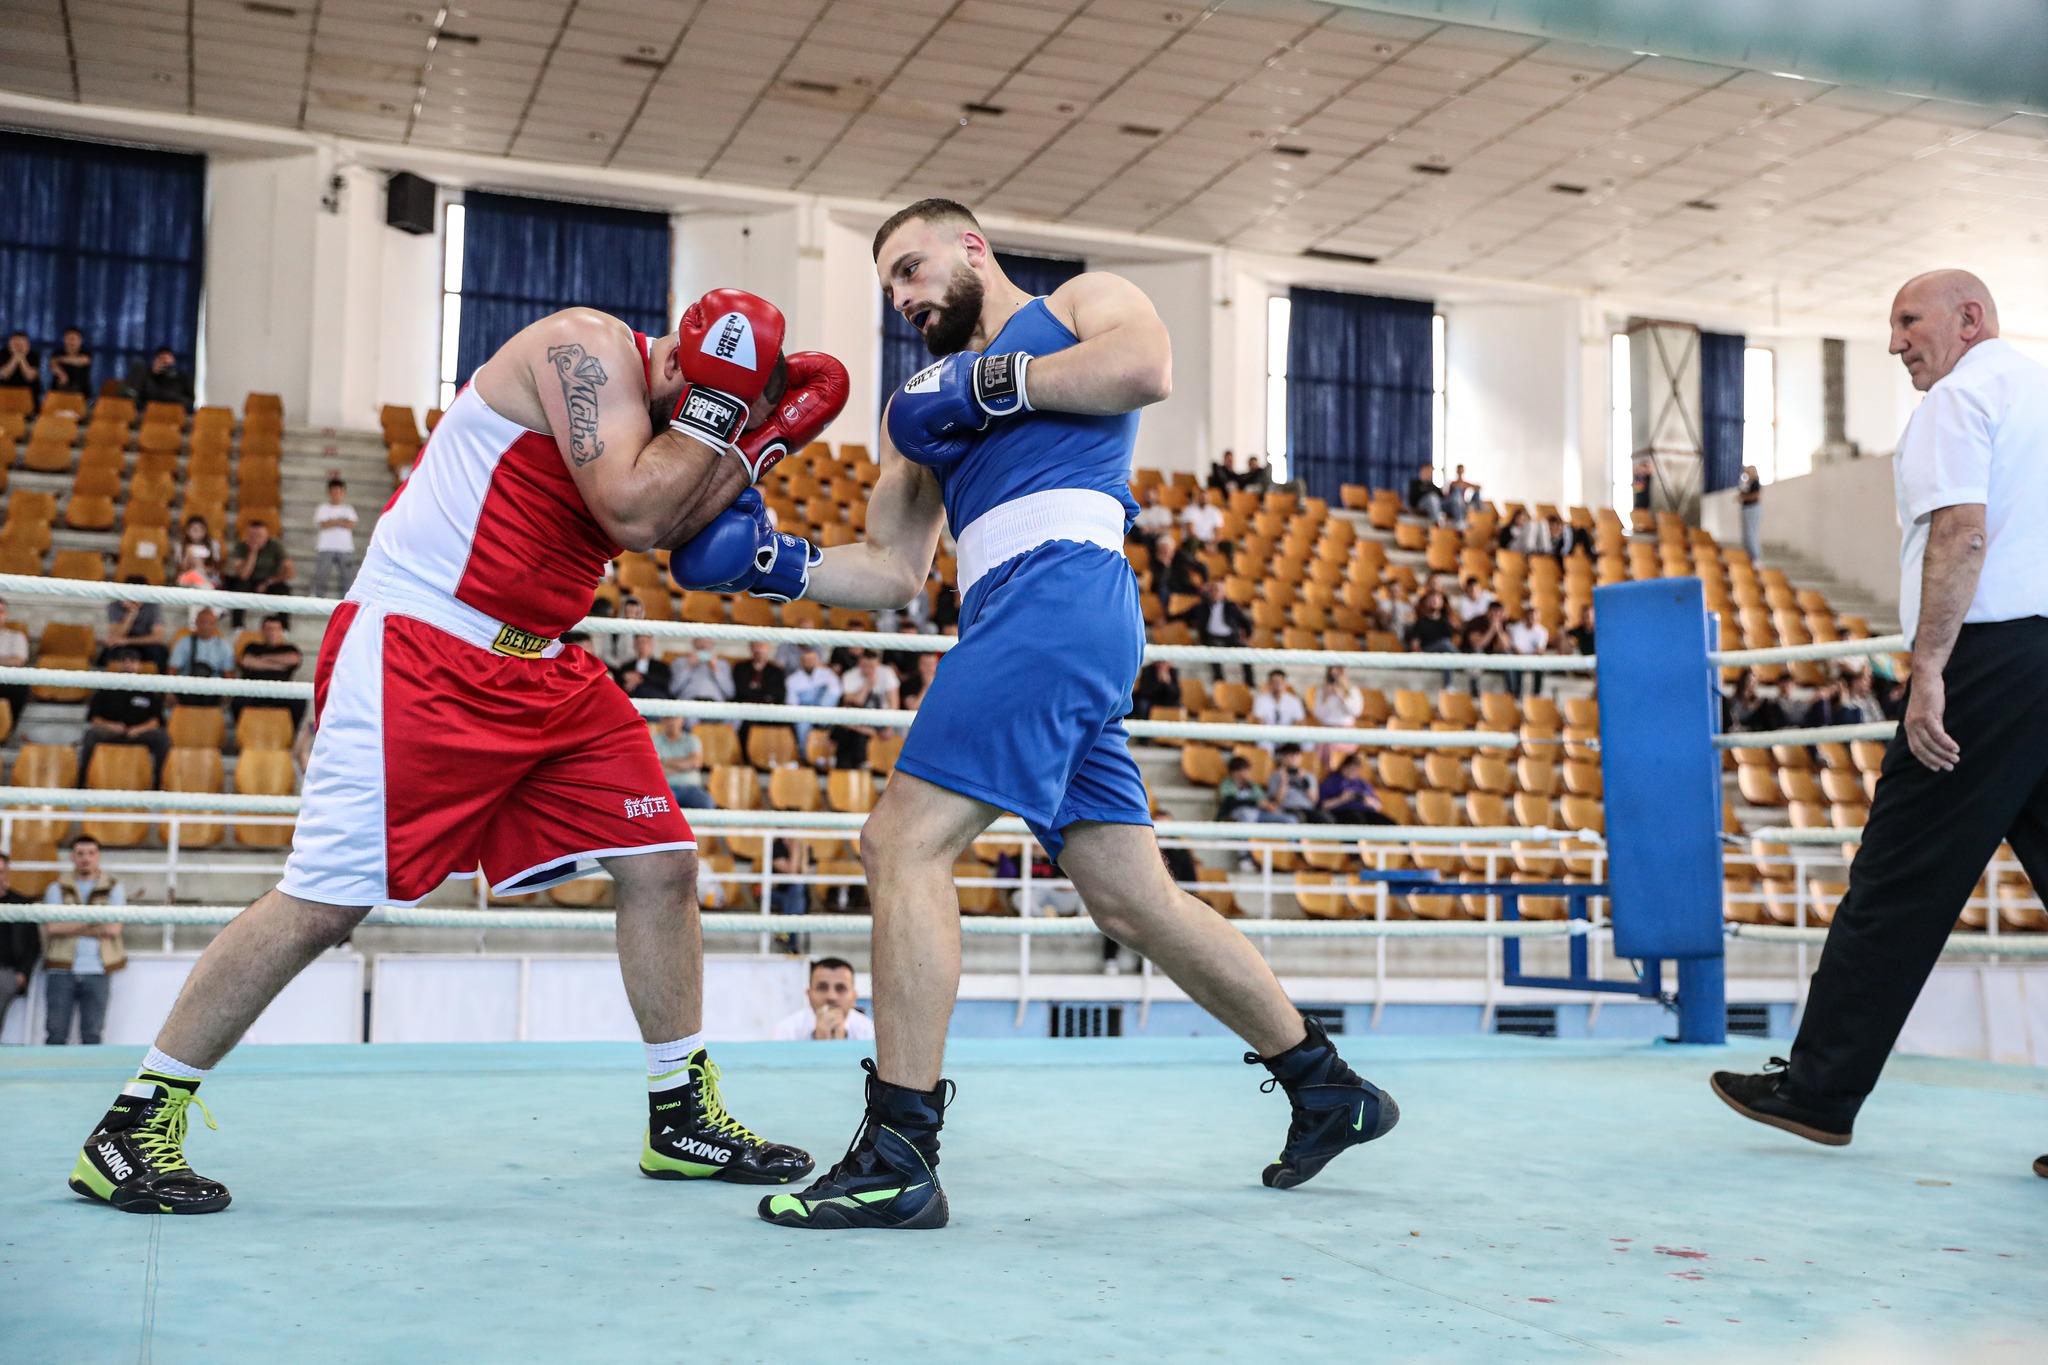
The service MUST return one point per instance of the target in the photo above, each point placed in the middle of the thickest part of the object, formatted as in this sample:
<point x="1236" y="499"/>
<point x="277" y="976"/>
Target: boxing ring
<point x="1543" y="1199"/>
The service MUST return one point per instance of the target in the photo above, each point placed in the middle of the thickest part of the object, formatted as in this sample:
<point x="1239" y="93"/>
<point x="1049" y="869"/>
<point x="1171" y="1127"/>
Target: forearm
<point x="1949" y="570"/>
<point x="1119" y="371"/>
<point x="869" y="576"/>
<point x="671" y="491"/>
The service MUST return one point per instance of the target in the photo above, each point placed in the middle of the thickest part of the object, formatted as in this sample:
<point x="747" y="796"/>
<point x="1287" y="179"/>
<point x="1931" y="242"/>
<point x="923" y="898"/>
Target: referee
<point x="1969" y="766"/>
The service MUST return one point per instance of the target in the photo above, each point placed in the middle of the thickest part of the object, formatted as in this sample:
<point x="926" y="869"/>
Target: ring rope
<point x="714" y="922"/>
<point x="1775" y="835"/>
<point x="1799" y="654"/>
<point x="1813" y="734"/>
<point x="27" y="585"/>
<point x="2014" y="944"/>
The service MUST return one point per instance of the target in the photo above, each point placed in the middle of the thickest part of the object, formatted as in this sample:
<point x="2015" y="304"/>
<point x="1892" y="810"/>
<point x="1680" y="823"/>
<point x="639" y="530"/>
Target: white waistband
<point x="1011" y="528"/>
<point x="383" y="583"/>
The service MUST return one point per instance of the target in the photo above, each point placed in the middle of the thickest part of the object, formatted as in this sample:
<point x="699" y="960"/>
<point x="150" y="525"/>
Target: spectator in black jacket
<point x="161" y="381"/>
<point x="21" y="946"/>
<point x="1223" y="475"/>
<point x="1219" y="622"/>
<point x="21" y="367"/>
<point x="71" y="367"/>
<point x="1749" y="710"/>
<point x="644" y="675"/>
<point x="117" y="715"/>
<point x="758" y="678"/>
<point x="1158" y="685"/>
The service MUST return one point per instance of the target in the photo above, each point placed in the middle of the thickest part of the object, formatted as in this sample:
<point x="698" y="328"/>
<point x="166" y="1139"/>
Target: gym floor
<point x="1541" y="1200"/>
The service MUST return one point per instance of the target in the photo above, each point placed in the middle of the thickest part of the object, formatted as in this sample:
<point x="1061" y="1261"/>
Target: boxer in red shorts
<point x="455" y="731"/>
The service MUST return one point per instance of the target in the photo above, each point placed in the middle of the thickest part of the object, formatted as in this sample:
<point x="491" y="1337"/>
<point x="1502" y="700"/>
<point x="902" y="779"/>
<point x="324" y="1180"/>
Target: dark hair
<point x="136" y="578"/>
<point x="832" y="964"/>
<point x="1287" y="750"/>
<point x="125" y="654"/>
<point x="925" y="211"/>
<point x="1275" y="673"/>
<point x="282" y="624"/>
<point x="83" y="839"/>
<point x="337" y="483"/>
<point x="1238" y="762"/>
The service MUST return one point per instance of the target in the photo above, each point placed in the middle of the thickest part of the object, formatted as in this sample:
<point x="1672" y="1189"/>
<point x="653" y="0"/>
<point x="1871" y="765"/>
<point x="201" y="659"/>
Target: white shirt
<point x="1202" y="520"/>
<point x="800" y="1026"/>
<point x="1471" y="608"/>
<point x="819" y="687"/>
<point x="1285" y="709"/>
<point x="1339" y="704"/>
<point x="1529" y="638"/>
<point x="337" y="526"/>
<point x="885" y="685"/>
<point x="1980" y="436"/>
<point x="1157" y="517"/>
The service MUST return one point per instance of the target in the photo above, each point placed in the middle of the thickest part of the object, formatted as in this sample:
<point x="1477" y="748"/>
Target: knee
<point x="328" y="926"/>
<point x="655" y="880"/>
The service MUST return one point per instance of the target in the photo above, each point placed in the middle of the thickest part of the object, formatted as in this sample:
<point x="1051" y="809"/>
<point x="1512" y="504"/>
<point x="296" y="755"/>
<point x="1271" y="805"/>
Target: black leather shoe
<point x="1765" y="1098"/>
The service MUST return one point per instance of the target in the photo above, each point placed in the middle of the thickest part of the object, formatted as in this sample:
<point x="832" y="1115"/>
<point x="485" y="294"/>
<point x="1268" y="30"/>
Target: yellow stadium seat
<point x="264" y="727"/>
<point x="195" y="770"/>
<point x="850" y="789"/>
<point x="119" y="767"/>
<point x="771" y="746"/>
<point x="264" y="772"/>
<point x="794" y="788"/>
<point x="735" y="787"/>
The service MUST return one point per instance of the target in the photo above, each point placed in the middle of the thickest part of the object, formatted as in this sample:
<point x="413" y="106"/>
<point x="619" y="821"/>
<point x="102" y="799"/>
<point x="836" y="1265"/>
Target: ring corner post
<point x="1662" y="778"/>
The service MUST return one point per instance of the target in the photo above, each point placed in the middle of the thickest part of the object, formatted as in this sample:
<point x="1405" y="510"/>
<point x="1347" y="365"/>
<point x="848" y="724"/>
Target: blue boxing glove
<point x="935" y="416"/>
<point x="740" y="551"/>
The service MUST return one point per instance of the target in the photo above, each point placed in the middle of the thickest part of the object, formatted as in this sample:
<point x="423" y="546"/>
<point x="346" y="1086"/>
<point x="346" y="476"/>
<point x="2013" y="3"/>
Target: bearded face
<point x="949" y="325"/>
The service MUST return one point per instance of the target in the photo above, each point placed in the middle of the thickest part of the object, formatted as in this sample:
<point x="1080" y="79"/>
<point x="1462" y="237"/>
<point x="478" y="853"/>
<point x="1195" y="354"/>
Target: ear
<point x="975" y="245"/>
<point x="1973" y="316"/>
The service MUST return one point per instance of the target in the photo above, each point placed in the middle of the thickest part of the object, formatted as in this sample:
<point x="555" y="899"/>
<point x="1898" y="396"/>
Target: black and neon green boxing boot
<point x="1334" y="1108"/>
<point x="888" y="1177"/>
<point x="691" y="1137"/>
<point x="135" y="1159"/>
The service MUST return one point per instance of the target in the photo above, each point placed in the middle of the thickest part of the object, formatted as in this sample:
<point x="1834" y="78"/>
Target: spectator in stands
<point x="1256" y="477"/>
<point x="71" y="367"/>
<point x="138" y="626"/>
<point x="160" y="380"/>
<point x="271" y="657"/>
<point x="1203" y="522"/>
<point x="1461" y="497"/>
<point x="1564" y="537"/>
<point x="831" y="1010"/>
<point x="789" y="858"/>
<point x="1750" y="710"/>
<point x="682" y="763"/>
<point x="21" y="946"/>
<point x="1240" y="798"/>
<point x="257" y="564"/>
<point x="118" y="715"/>
<point x="1219" y="623"/>
<point x="1487" y="634"/>
<point x="1223" y="475"/>
<point x="1394" y="606"/>
<point x="1749" y="496"/>
<point x="758" y="679"/>
<point x="1642" y="472"/>
<point x="1183" y="573"/>
<point x="1424" y="498"/>
<point x="1471" y="604"/>
<point x="1292" y="788"/>
<point x="644" y="675"/>
<point x="334" y="546"/>
<point x="1158" y="685"/>
<point x="204" y="653"/>
<point x="1859" y="699"/>
<point x="1581" y="635"/>
<point x="700" y="675"/>
<point x="1153" y="516"/>
<point x="198" y="536"/>
<point x="870" y="685"/>
<point x="1433" y="631"/>
<point x="79" y="955"/>
<point x="21" y="367"/>
<point x="1515" y="534"/>
<point x="810" y="684"/>
<point x="13" y="654"/>
<point x="618" y="649"/>
<point x="945" y="608"/>
<point x="1346" y="798"/>
<point x="1277" y="703"/>
<point x="1338" y="703"/>
<point x="1526" y="635"/>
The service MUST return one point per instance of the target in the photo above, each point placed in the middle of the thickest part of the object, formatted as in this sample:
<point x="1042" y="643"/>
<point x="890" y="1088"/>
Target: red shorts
<point x="435" y="754"/>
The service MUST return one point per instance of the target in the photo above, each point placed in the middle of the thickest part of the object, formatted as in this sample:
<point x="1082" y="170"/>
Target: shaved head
<point x="1936" y="318"/>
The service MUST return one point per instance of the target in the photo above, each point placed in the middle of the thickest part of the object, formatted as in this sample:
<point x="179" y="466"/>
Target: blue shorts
<point x="1026" y="712"/>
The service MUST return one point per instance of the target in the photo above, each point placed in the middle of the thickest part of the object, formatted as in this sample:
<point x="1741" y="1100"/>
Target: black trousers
<point x="1929" y="838"/>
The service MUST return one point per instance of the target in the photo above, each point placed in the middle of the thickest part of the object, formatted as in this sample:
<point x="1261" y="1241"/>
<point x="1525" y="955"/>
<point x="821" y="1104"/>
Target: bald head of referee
<point x="1968" y="768"/>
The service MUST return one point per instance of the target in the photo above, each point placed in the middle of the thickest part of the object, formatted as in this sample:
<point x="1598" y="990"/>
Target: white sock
<point x="665" y="1061"/>
<point x="164" y="1064"/>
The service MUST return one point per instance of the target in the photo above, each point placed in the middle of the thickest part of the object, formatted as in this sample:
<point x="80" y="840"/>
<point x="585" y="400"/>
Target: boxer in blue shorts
<point x="1020" y="438"/>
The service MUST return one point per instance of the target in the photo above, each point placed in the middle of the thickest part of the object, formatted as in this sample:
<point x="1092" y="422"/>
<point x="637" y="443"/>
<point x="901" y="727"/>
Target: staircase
<point x="1845" y="599"/>
<point x="311" y="456"/>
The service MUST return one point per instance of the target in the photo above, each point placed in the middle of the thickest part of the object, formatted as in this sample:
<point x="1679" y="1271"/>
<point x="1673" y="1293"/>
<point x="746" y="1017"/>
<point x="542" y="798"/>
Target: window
<point x="1622" y="432"/>
<point x="1279" y="317"/>
<point x="451" y="303"/>
<point x="1439" y="414"/>
<point x="1760" y="410"/>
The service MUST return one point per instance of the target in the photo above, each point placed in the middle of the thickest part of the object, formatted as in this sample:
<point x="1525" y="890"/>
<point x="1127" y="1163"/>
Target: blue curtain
<point x="903" y="352"/>
<point x="524" y="258"/>
<point x="110" y="240"/>
<point x="1721" y="408"/>
<point x="1358" y="389"/>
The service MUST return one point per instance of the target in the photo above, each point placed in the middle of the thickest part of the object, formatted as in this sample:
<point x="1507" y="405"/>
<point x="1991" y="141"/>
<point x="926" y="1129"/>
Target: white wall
<point x="1801" y="409"/>
<point x="1175" y="434"/>
<point x="1843" y="515"/>
<point x="1512" y="389"/>
<point x="259" y="275"/>
<point x="1877" y="395"/>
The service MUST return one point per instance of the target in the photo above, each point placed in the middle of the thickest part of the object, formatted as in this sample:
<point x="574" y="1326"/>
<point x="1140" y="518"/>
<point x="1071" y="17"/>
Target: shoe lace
<point x="713" y="1112"/>
<point x="162" y="1137"/>
<point x="1777" y="1067"/>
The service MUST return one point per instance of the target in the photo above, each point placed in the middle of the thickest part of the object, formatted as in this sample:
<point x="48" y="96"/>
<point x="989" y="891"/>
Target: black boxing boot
<point x="888" y="1177"/>
<point x="1334" y="1108"/>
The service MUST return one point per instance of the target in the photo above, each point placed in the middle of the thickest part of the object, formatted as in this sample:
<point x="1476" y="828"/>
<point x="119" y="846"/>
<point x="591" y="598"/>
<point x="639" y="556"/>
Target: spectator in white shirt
<point x="1471" y="604"/>
<point x="700" y="675"/>
<point x="1526" y="635"/>
<point x="832" y="1013"/>
<point x="13" y="654"/>
<point x="1277" y="703"/>
<point x="810" y="683"/>
<point x="1337" y="703"/>
<point x="1203" y="522"/>
<point x="334" y="547"/>
<point x="1154" y="516"/>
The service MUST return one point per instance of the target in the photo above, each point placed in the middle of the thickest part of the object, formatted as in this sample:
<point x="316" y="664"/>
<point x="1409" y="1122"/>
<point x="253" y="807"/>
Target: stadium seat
<point x="264" y="772"/>
<point x="736" y="787"/>
<point x="794" y="788"/>
<point x="194" y="770"/>
<point x="264" y="727"/>
<point x="119" y="767"/>
<point x="882" y="752"/>
<point x="1202" y="764"/>
<point x="850" y="790"/>
<point x="196" y="727"/>
<point x="89" y="565"/>
<point x="771" y="746"/>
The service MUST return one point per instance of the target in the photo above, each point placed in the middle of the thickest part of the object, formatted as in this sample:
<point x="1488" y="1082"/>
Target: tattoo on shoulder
<point x="581" y="377"/>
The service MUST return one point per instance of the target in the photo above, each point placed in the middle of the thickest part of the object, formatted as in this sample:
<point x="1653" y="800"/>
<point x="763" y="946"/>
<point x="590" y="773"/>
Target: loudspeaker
<point x="409" y="203"/>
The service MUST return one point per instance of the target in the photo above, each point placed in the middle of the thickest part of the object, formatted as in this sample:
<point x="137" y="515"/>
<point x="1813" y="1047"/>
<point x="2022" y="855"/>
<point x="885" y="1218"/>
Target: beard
<point x="956" y="315"/>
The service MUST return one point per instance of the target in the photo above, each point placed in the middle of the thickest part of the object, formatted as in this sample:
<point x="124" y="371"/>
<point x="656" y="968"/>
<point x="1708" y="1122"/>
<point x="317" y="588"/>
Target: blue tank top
<point x="1035" y="452"/>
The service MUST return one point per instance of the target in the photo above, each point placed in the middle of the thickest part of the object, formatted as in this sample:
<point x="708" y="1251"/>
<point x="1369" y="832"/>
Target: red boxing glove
<point x="726" y="346"/>
<point x="815" y="395"/>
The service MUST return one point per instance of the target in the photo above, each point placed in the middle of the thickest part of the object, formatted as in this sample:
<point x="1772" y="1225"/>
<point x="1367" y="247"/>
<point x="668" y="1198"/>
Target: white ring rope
<point x="2021" y="944"/>
<point x="1799" y="654"/>
<point x="95" y="680"/>
<point x="714" y="922"/>
<point x="1813" y="734"/>
<point x="1774" y="835"/>
<point x="112" y="805"/>
<point x="27" y="585"/>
